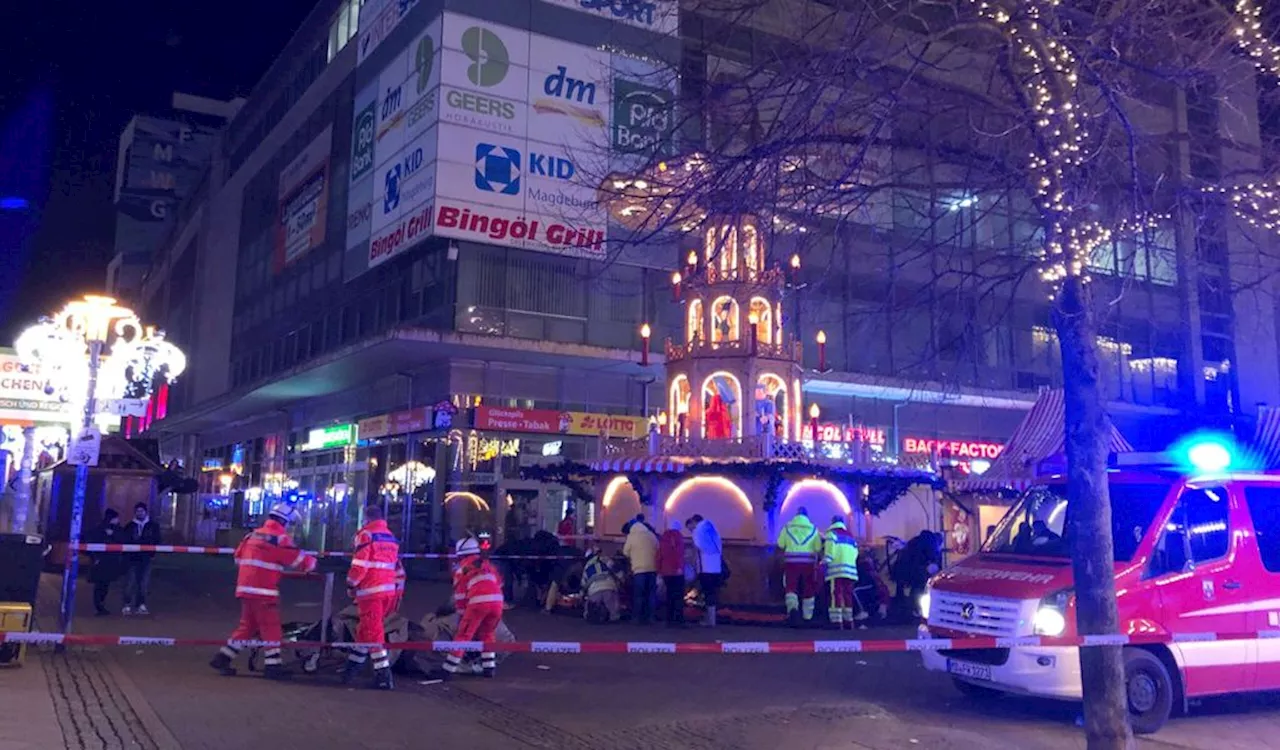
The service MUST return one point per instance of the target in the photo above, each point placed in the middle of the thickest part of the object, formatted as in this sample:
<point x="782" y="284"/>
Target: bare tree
<point x="839" y="120"/>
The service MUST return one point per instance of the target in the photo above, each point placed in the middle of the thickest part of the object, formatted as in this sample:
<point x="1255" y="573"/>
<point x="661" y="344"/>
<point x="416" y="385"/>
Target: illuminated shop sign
<point x="322" y="438"/>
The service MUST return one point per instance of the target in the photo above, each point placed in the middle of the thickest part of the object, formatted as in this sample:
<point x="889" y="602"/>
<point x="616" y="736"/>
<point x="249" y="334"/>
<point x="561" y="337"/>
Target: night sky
<point x="75" y="73"/>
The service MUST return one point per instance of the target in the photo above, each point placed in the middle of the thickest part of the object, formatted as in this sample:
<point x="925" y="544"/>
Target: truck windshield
<point x="1037" y="524"/>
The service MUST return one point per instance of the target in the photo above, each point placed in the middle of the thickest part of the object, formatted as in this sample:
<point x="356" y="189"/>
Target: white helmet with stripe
<point x="284" y="513"/>
<point x="467" y="546"/>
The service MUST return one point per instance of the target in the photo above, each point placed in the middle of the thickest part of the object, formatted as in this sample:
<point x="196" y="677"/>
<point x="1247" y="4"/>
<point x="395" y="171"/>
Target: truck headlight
<point x="1051" y="618"/>
<point x="1049" y="621"/>
<point x="924" y="604"/>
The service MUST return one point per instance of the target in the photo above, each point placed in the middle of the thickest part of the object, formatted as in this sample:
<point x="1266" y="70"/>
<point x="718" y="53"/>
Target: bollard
<point x="326" y="607"/>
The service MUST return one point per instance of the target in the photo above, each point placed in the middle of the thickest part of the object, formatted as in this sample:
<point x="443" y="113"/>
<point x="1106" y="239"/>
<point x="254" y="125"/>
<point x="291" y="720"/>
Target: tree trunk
<point x="1093" y="555"/>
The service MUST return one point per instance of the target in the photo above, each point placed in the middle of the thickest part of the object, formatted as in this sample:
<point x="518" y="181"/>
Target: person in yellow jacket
<point x="840" y="554"/>
<point x="801" y="546"/>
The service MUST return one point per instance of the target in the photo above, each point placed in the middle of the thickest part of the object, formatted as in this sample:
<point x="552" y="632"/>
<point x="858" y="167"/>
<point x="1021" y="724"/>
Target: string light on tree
<point x="1253" y="41"/>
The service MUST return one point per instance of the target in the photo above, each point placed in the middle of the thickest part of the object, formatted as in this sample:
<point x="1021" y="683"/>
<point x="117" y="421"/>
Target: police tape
<point x="197" y="550"/>
<point x="833" y="646"/>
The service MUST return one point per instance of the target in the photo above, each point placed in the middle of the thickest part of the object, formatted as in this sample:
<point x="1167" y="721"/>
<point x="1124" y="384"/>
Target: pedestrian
<point x="671" y="568"/>
<point x="599" y="589"/>
<point x="641" y="550"/>
<point x="106" y="565"/>
<point x="477" y="595"/>
<point x="801" y="546"/>
<point x="840" y="554"/>
<point x="376" y="581"/>
<point x="710" y="559"/>
<point x="568" y="526"/>
<point x="142" y="530"/>
<point x="261" y="558"/>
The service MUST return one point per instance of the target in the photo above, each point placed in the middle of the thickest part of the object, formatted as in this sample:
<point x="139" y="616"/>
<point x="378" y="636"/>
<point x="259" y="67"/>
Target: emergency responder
<point x="376" y="581"/>
<point x="601" y="601"/>
<point x="477" y="594"/>
<point x="262" y="557"/>
<point x="801" y="546"/>
<point x="840" y="555"/>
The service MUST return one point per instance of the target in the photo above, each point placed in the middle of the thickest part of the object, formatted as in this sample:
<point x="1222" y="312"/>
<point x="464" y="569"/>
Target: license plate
<point x="967" y="669"/>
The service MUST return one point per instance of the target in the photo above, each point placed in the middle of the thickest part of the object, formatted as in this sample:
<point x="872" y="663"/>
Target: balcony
<point x="788" y="349"/>
<point x="770" y="277"/>
<point x="760" y="448"/>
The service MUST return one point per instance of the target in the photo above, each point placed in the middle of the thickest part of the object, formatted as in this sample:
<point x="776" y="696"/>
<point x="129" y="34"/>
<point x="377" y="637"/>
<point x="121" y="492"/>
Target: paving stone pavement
<point x="93" y="708"/>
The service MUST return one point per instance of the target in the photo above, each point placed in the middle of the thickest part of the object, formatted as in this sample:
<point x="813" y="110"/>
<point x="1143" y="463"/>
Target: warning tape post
<point x="659" y="647"/>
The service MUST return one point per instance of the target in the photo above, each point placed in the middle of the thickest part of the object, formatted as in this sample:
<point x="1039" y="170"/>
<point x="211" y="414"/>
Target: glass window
<point x="1037" y="525"/>
<point x="1264" y="507"/>
<point x="1197" y="532"/>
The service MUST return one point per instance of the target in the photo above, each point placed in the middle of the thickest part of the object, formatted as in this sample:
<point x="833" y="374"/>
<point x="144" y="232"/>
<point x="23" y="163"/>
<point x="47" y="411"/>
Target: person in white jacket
<point x="706" y="540"/>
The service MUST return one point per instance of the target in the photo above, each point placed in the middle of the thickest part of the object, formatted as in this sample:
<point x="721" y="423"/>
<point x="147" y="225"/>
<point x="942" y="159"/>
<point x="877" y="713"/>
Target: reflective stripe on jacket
<point x="799" y="541"/>
<point x="263" y="556"/>
<point x="475" y="582"/>
<point x="597" y="577"/>
<point x="840" y="553"/>
<point x="375" y="563"/>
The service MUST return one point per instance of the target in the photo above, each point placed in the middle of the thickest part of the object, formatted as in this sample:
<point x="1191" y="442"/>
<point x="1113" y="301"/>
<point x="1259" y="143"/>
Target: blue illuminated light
<point x="13" y="203"/>
<point x="1206" y="453"/>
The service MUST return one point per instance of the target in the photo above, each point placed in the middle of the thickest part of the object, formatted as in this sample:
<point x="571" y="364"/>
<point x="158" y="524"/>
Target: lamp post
<point x="645" y="333"/>
<point x="814" y="412"/>
<point x="94" y="353"/>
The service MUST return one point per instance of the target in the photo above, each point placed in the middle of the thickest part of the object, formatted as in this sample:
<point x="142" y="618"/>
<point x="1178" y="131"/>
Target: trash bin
<point x="21" y="560"/>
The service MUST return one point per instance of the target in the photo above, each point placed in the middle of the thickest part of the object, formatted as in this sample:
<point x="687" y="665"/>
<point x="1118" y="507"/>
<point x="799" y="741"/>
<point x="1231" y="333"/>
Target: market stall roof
<point x="1266" y="436"/>
<point x="1042" y="434"/>
<point x="682" y="464"/>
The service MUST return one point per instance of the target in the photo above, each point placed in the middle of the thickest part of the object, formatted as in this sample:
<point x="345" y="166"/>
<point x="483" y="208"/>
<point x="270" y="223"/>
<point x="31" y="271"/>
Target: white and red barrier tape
<point x="194" y="550"/>
<point x="658" y="647"/>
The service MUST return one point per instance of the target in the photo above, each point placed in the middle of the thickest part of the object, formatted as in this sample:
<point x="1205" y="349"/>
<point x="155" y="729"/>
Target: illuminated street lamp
<point x="645" y="333"/>
<point x="96" y="356"/>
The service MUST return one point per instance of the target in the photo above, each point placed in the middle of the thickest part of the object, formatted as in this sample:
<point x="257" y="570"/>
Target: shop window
<point x="697" y="326"/>
<point x="760" y="315"/>
<point x="724" y="320"/>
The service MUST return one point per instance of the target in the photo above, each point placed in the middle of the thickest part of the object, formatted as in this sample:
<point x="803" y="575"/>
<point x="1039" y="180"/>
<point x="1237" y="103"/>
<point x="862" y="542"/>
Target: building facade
<point x="395" y="280"/>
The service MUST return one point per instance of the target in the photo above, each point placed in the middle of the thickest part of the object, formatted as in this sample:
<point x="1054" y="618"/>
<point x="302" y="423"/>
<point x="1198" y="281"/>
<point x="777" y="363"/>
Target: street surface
<point x="166" y="697"/>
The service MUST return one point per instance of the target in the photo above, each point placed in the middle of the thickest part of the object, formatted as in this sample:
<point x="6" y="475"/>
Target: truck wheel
<point x="977" y="692"/>
<point x="1148" y="691"/>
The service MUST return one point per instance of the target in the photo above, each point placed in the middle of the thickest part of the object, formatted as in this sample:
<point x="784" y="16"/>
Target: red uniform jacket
<point x="262" y="558"/>
<point x="476" y="582"/>
<point x="375" y="564"/>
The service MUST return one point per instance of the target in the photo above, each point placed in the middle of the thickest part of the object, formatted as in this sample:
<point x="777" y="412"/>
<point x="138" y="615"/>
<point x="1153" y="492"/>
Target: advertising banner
<point x="22" y="397"/>
<point x="304" y="198"/>
<point x="483" y="132"/>
<point x="658" y="16"/>
<point x="550" y="421"/>
<point x="396" y="423"/>
<point x="378" y="18"/>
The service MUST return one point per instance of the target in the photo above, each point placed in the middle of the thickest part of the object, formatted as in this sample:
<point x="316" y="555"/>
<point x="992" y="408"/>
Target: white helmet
<point x="284" y="513"/>
<point x="467" y="546"/>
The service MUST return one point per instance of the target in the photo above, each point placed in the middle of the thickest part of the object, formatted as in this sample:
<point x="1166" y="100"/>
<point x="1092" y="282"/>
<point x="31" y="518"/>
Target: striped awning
<point x="1266" y="436"/>
<point x="640" y="465"/>
<point x="1042" y="434"/>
